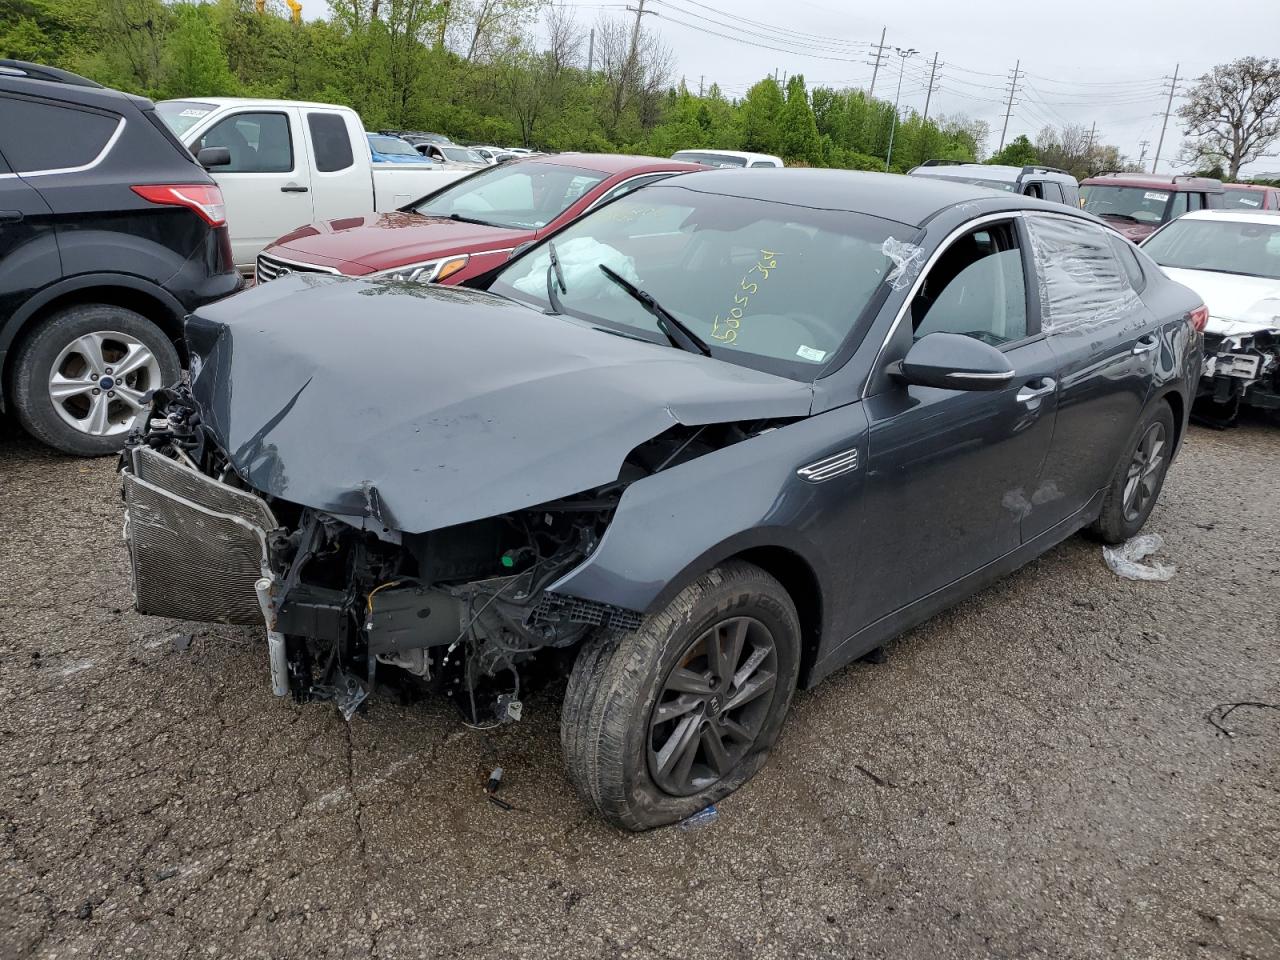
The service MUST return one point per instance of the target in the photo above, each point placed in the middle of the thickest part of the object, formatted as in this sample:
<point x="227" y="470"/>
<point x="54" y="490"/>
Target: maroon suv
<point x="468" y="227"/>
<point x="1137" y="204"/>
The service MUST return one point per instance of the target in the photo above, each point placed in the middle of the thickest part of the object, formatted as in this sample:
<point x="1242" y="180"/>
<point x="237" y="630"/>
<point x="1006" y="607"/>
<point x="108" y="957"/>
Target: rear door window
<point x="1082" y="282"/>
<point x="1053" y="191"/>
<point x="258" y="143"/>
<point x="39" y="136"/>
<point x="330" y="141"/>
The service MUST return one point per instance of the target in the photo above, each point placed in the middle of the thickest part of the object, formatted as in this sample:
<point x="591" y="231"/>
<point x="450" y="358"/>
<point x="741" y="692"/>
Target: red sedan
<point x="468" y="227"/>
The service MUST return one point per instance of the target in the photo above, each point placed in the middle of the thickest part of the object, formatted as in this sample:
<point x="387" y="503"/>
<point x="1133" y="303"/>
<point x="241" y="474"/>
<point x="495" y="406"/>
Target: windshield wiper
<point x="461" y="219"/>
<point x="1121" y="216"/>
<point x="555" y="278"/>
<point x="677" y="332"/>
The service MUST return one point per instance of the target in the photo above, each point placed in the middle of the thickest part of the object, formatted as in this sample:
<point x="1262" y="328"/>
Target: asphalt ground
<point x="1044" y="771"/>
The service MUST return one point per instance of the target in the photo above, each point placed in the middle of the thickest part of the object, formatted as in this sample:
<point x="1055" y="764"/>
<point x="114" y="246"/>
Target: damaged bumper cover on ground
<point x="373" y="511"/>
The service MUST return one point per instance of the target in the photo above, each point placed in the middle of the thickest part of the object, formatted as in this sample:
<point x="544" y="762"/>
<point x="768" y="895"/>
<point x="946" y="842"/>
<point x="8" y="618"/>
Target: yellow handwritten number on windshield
<point x="726" y="329"/>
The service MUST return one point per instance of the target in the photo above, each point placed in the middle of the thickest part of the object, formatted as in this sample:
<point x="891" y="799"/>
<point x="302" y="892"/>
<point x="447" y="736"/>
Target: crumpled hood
<point x="422" y="406"/>
<point x="1237" y="305"/>
<point x="381" y="241"/>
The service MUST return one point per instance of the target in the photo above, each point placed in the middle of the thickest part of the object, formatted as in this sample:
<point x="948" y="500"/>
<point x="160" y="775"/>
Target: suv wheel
<point x="81" y="378"/>
<point x="659" y="723"/>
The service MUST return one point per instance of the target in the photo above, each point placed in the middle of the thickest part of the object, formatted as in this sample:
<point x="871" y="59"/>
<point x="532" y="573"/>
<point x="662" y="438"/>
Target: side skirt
<point x="875" y="634"/>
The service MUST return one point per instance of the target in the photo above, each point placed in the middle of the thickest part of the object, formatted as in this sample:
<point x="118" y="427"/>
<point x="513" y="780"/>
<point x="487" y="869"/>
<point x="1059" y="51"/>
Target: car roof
<point x="1248" y="186"/>
<point x="1171" y="183"/>
<point x="992" y="171"/>
<point x="612" y="163"/>
<point x="745" y="154"/>
<point x="891" y="196"/>
<point x="264" y="101"/>
<point x="55" y="84"/>
<point x="1271" y="217"/>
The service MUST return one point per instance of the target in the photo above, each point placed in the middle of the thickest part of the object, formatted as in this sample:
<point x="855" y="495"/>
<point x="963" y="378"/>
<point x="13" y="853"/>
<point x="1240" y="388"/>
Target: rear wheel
<point x="659" y="723"/>
<point x="1138" y="479"/>
<point x="80" y="380"/>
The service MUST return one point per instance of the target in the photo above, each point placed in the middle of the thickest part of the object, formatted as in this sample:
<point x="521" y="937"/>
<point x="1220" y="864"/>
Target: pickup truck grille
<point x="268" y="268"/>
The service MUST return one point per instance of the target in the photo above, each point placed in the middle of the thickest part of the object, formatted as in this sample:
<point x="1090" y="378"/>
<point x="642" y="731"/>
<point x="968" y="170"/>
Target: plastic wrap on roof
<point x="1082" y="283"/>
<point x="907" y="259"/>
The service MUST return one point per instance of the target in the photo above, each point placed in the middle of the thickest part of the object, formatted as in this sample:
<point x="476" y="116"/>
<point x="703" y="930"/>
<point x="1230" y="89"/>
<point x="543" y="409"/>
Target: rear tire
<point x="1138" y="478"/>
<point x="69" y="353"/>
<point x="718" y="666"/>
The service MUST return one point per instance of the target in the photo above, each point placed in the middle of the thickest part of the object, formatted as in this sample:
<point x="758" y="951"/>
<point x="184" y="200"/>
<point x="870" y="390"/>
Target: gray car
<point x="714" y="440"/>
<point x="1032" y="180"/>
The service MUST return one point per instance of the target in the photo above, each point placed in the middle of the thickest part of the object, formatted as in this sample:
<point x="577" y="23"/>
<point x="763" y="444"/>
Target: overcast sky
<point x="1102" y="62"/>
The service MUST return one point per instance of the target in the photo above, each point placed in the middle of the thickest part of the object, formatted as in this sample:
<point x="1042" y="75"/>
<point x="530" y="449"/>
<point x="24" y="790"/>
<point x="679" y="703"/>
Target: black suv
<point x="110" y="233"/>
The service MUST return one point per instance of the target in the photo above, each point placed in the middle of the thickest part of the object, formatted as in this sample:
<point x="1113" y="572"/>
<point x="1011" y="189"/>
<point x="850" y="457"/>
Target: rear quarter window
<point x="37" y="135"/>
<point x="331" y="141"/>
<point x="1082" y="281"/>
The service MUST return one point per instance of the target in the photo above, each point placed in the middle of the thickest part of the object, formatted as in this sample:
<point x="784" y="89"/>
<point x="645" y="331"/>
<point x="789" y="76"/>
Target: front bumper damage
<point x="462" y="609"/>
<point x="1240" y="370"/>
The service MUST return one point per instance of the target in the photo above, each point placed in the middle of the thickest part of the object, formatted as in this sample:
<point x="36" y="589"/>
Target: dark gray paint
<point x="459" y="406"/>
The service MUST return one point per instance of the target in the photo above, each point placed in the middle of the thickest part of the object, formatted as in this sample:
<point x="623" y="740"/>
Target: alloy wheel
<point x="99" y="381"/>
<point x="1145" y="469"/>
<point x="712" y="706"/>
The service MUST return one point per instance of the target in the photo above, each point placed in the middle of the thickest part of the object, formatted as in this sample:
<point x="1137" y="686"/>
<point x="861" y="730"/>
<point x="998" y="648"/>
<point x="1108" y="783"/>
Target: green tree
<point x="761" y="109"/>
<point x="195" y="64"/>
<point x="797" y="129"/>
<point x="1017" y="153"/>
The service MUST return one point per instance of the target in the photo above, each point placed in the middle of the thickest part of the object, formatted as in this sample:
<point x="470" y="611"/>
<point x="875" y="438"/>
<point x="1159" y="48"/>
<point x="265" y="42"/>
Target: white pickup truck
<point x="282" y="164"/>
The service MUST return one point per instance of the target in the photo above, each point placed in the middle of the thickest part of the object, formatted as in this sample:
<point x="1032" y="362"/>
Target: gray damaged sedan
<point x="710" y="442"/>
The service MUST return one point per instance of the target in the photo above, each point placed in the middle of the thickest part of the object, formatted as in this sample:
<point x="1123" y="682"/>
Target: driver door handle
<point x="10" y="216"/>
<point x="1030" y="393"/>
<point x="1145" y="344"/>
<point x="292" y="188"/>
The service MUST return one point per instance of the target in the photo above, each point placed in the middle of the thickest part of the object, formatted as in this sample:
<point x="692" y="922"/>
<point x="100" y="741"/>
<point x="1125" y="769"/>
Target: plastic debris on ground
<point x="703" y="818"/>
<point x="1124" y="559"/>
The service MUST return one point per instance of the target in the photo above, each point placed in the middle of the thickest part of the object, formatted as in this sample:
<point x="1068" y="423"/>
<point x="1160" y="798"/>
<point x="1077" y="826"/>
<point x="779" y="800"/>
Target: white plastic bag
<point x="1123" y="559"/>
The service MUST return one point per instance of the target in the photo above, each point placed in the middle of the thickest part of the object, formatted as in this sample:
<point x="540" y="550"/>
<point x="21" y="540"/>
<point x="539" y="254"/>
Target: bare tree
<point x="1233" y="113"/>
<point x="498" y="25"/>
<point x="632" y="77"/>
<point x="564" y="38"/>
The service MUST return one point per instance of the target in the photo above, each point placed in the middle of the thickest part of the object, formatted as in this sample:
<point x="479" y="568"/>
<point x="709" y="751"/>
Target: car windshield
<point x="710" y="159"/>
<point x="1223" y="246"/>
<point x="523" y="195"/>
<point x="1139" y="204"/>
<point x="768" y="285"/>
<point x="393" y="146"/>
<point x="461" y="155"/>
<point x="1238" y="198"/>
<point x="181" y="115"/>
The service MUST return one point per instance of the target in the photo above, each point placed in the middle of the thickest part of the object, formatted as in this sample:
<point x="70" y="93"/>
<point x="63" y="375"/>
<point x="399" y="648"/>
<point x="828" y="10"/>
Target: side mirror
<point x="954" y="362"/>
<point x="213" y="157"/>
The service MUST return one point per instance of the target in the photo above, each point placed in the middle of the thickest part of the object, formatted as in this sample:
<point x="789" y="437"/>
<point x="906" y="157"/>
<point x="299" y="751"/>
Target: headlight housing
<point x="430" y="271"/>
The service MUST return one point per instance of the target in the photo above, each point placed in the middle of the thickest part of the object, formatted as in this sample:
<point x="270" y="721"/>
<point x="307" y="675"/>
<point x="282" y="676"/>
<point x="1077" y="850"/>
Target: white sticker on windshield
<point x="1152" y="195"/>
<point x="1249" y="202"/>
<point x="194" y="113"/>
<point x="810" y="353"/>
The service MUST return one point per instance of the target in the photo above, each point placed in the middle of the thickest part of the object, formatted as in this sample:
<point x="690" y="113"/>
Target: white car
<point x="450" y="154"/>
<point x="284" y="163"/>
<point x="493" y="155"/>
<point x="1232" y="260"/>
<point x="728" y="158"/>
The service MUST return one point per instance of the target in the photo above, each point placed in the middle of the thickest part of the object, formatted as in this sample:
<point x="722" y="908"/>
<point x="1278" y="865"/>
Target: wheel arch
<point x="132" y="293"/>
<point x="1178" y="404"/>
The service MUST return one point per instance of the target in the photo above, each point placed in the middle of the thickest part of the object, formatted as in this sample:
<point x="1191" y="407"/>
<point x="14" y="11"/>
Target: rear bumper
<point x="197" y="547"/>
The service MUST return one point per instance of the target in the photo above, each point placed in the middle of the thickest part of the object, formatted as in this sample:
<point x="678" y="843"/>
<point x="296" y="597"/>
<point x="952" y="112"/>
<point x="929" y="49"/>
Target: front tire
<point x="1138" y="479"/>
<point x="660" y="723"/>
<point x="81" y="378"/>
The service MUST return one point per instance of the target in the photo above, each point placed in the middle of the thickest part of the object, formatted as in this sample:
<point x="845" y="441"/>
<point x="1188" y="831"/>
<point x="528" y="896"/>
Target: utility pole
<point x="591" y="51"/>
<point x="902" y="66"/>
<point x="1142" y="157"/>
<point x="640" y="11"/>
<point x="1013" y="88"/>
<point x="1093" y="130"/>
<point x="701" y="78"/>
<point x="880" y="49"/>
<point x="1173" y="85"/>
<point x="929" y="96"/>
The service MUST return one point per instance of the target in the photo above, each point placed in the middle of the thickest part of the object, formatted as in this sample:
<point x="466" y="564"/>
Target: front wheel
<point x="660" y="723"/>
<point x="1138" y="479"/>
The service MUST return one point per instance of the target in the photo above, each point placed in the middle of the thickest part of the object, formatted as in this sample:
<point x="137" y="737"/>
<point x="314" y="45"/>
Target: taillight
<point x="204" y="199"/>
<point x="1199" y="318"/>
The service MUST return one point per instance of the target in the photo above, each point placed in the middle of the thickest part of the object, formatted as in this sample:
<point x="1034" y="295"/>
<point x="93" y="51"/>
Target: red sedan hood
<point x="1128" y="229"/>
<point x="380" y="241"/>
